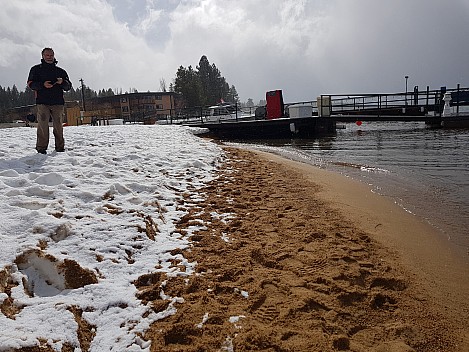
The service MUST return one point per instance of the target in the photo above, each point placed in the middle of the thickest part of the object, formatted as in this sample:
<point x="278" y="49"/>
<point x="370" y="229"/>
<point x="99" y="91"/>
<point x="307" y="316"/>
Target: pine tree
<point x="188" y="84"/>
<point x="203" y="86"/>
<point x="233" y="95"/>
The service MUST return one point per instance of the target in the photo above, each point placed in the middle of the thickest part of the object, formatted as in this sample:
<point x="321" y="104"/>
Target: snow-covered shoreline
<point x="92" y="205"/>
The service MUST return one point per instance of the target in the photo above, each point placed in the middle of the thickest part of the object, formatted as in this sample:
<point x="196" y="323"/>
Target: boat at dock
<point x="216" y="114"/>
<point x="274" y="120"/>
<point x="284" y="127"/>
<point x="226" y="112"/>
<point x="444" y="108"/>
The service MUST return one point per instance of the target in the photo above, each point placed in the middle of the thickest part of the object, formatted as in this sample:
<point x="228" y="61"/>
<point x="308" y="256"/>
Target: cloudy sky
<point x="304" y="47"/>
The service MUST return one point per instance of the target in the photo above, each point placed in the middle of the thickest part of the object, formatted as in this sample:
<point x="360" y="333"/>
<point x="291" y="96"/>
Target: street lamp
<point x="406" y="78"/>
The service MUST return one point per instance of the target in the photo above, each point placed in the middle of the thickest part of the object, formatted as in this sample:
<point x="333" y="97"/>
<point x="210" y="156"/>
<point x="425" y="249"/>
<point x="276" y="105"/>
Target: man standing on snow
<point x="49" y="82"/>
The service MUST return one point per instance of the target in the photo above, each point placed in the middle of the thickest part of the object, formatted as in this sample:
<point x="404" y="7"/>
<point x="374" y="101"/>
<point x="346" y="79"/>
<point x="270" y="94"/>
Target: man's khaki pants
<point x="44" y="112"/>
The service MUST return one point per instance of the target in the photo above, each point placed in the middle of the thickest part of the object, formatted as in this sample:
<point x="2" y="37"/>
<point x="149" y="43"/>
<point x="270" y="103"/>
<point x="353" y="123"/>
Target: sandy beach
<point x="310" y="261"/>
<point x="282" y="255"/>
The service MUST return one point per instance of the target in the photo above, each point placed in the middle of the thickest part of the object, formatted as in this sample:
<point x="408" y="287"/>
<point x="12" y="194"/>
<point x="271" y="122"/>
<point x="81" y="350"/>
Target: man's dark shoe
<point x="42" y="151"/>
<point x="60" y="150"/>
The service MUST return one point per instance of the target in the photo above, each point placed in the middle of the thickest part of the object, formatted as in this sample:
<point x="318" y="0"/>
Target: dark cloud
<point x="304" y="47"/>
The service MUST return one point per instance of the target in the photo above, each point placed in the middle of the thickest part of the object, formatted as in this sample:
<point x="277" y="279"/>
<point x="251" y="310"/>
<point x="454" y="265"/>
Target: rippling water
<point x="426" y="171"/>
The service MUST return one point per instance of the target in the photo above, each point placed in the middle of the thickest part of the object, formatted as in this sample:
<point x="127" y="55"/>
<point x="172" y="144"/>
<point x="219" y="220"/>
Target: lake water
<point x="425" y="171"/>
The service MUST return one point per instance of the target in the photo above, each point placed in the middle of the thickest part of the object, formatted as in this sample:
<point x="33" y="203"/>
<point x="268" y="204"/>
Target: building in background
<point x="144" y="108"/>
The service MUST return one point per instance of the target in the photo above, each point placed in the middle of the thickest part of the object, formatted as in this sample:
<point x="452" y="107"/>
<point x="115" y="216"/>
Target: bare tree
<point x="162" y="85"/>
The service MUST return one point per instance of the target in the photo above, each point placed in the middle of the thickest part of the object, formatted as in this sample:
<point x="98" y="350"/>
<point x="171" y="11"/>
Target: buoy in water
<point x="359" y="123"/>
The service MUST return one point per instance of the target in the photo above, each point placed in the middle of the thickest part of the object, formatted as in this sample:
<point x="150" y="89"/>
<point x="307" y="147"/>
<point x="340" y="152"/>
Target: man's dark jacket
<point x="48" y="72"/>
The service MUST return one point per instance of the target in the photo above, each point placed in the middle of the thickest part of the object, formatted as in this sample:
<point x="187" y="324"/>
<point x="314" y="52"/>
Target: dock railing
<point x="386" y="106"/>
<point x="210" y="114"/>
<point x="413" y="103"/>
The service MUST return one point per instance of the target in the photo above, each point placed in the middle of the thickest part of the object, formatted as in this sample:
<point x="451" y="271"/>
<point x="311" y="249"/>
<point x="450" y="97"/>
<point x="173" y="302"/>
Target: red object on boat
<point x="275" y="104"/>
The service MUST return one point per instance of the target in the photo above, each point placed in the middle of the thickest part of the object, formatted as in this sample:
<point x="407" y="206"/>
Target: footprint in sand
<point x="393" y="284"/>
<point x="266" y="313"/>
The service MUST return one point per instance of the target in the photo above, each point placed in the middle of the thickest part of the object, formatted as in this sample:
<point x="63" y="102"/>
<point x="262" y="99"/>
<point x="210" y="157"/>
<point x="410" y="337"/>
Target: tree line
<point x="12" y="97"/>
<point x="201" y="86"/>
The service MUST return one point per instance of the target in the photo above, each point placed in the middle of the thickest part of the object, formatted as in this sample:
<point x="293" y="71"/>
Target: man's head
<point x="48" y="55"/>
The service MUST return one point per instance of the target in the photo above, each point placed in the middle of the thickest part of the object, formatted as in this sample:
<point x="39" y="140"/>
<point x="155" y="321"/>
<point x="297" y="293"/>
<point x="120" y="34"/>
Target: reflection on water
<point x="426" y="171"/>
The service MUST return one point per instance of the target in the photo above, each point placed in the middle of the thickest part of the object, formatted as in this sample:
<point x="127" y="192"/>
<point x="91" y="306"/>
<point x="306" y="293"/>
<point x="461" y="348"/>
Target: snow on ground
<point x="90" y="207"/>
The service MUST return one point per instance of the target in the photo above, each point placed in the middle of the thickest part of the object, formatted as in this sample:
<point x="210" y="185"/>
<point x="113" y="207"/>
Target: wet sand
<point x="308" y="261"/>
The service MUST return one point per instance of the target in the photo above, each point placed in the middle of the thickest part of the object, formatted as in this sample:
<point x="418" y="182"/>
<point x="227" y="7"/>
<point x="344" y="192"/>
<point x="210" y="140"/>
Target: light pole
<point x="82" y="92"/>
<point x="406" y="78"/>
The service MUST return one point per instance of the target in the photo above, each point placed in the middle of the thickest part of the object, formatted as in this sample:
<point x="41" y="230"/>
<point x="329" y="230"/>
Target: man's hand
<point x="49" y="84"/>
